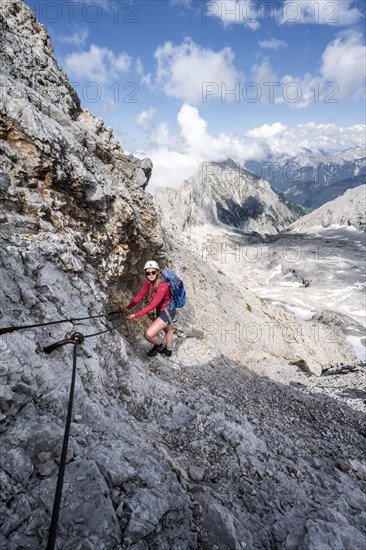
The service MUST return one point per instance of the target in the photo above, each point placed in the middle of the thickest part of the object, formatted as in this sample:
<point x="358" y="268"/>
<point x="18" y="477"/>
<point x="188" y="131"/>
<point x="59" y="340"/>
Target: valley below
<point x="316" y="277"/>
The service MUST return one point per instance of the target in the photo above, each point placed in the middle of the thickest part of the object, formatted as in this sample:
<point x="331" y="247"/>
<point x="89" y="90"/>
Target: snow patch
<point x="359" y="348"/>
<point x="300" y="313"/>
<point x="277" y="270"/>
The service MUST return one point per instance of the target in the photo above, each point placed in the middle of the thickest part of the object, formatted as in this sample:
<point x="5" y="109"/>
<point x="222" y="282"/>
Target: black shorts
<point x="164" y="317"/>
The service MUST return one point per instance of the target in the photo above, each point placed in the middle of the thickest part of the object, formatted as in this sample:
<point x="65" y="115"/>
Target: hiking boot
<point x="166" y="351"/>
<point x="155" y="350"/>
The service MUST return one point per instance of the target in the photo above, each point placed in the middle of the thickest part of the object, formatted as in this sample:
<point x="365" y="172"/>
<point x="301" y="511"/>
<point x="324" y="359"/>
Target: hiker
<point x="159" y="290"/>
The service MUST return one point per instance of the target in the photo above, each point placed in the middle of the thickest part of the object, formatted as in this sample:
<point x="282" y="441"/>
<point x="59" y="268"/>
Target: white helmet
<point x="152" y="264"/>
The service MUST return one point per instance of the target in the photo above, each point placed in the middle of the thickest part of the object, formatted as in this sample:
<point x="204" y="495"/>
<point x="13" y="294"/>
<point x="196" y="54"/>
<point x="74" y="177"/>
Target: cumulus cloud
<point x="198" y="75"/>
<point x="263" y="72"/>
<point x="267" y="131"/>
<point x="145" y="118"/>
<point x="343" y="62"/>
<point x="171" y="168"/>
<point x="98" y="64"/>
<point x="341" y="76"/>
<point x="160" y="137"/>
<point x="272" y="44"/>
<point x="178" y="157"/>
<point x="321" y="12"/>
<point x="187" y="70"/>
<point x="200" y="143"/>
<point x="251" y="14"/>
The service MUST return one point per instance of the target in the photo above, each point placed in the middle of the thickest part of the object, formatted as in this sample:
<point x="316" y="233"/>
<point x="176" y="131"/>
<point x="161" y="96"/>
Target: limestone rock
<point x="348" y="210"/>
<point x="225" y="195"/>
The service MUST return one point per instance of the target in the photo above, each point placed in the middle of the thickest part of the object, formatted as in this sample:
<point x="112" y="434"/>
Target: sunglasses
<point x="150" y="273"/>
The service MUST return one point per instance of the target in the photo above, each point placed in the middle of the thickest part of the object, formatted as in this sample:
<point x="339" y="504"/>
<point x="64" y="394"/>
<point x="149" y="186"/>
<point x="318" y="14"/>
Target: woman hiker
<point x="159" y="292"/>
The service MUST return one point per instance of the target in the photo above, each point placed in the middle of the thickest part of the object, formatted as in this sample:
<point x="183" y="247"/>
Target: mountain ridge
<point x="347" y="210"/>
<point x="226" y="194"/>
<point x="312" y="178"/>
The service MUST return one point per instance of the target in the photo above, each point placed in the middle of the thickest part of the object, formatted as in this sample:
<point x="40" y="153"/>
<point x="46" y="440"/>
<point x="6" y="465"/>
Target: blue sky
<point x="184" y="81"/>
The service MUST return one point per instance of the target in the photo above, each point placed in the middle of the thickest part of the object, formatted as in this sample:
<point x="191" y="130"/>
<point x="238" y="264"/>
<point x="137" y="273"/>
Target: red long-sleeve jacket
<point x="160" y="299"/>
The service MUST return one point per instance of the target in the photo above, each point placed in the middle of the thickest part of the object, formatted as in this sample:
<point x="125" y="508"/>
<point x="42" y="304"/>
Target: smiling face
<point x="151" y="274"/>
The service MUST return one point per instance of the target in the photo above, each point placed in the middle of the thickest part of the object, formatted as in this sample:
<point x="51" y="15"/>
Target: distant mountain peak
<point x="226" y="194"/>
<point x="314" y="177"/>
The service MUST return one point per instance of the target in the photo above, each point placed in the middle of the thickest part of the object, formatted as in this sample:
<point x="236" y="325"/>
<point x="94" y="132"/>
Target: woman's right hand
<point x="124" y="310"/>
<point x="130" y="317"/>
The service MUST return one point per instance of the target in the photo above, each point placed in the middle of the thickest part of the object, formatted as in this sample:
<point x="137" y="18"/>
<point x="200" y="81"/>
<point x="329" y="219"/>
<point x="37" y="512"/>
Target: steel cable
<point x="61" y="472"/>
<point x="5" y="330"/>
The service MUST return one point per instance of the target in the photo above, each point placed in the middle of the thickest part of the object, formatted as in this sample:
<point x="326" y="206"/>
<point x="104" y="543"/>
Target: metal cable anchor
<point x="75" y="338"/>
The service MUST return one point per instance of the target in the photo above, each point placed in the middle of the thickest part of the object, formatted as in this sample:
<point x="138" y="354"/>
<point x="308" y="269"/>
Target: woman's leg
<point x="151" y="332"/>
<point x="169" y="336"/>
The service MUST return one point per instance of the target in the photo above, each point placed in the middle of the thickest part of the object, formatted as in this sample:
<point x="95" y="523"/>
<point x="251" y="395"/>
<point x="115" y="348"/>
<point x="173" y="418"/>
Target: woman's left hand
<point x="133" y="316"/>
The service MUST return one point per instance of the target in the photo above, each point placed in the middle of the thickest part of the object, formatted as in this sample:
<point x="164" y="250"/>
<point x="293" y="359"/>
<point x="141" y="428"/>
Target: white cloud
<point x="146" y="79"/>
<point x="263" y="72"/>
<point x="197" y="75"/>
<point x="267" y="131"/>
<point x="145" y="118"/>
<point x="251" y="13"/>
<point x="76" y="38"/>
<point x="160" y="136"/>
<point x="319" y="12"/>
<point x="139" y="67"/>
<point x="98" y="64"/>
<point x="184" y="3"/>
<point x="343" y="62"/>
<point x="187" y="71"/>
<point x="171" y="168"/>
<point x="272" y="44"/>
<point x="279" y="139"/>
<point x="178" y="157"/>
<point x="199" y="142"/>
<point x="341" y="76"/>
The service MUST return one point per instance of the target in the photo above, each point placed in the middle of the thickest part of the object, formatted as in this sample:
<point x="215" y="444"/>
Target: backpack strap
<point x="170" y="290"/>
<point x="166" y="303"/>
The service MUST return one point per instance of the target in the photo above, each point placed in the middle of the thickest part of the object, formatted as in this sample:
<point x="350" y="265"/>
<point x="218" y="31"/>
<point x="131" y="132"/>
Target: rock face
<point x="348" y="210"/>
<point x="60" y="165"/>
<point x="190" y="453"/>
<point x="225" y="195"/>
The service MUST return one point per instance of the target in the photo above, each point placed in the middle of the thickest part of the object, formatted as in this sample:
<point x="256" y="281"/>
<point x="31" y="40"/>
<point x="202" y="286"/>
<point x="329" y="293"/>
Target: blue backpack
<point x="177" y="289"/>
